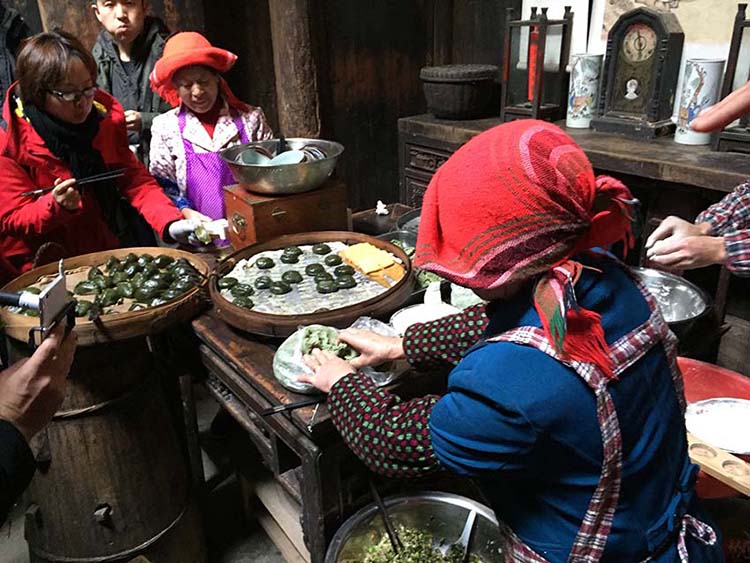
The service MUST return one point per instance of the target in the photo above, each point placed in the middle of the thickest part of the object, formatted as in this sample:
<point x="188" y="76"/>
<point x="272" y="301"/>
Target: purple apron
<point x="206" y="174"/>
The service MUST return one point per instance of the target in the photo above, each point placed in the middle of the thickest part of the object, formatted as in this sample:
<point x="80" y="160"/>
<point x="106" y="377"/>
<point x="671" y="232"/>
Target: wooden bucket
<point x="112" y="481"/>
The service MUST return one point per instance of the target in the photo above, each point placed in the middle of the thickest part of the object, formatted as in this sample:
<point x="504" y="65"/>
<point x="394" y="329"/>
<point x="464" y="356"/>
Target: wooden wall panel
<point x="370" y="54"/>
<point x="30" y="11"/>
<point x="75" y="16"/>
<point x="249" y="36"/>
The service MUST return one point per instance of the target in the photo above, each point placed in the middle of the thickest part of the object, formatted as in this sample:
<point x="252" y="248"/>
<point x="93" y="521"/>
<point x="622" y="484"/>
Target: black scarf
<point x="73" y="144"/>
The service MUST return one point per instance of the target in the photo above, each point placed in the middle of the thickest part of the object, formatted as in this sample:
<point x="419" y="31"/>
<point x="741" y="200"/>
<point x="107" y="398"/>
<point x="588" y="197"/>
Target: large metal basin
<point x="681" y="302"/>
<point x="284" y="178"/>
<point x="442" y="515"/>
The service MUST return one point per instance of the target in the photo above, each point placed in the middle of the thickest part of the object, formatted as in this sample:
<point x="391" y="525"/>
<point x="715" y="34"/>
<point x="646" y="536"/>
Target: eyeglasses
<point x="74" y="95"/>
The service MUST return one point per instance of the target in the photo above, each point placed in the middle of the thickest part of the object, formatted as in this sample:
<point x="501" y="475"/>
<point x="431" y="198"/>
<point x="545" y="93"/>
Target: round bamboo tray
<point x="283" y="325"/>
<point x="116" y="326"/>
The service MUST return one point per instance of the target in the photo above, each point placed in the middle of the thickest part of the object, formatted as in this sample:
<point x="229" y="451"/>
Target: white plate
<point x="721" y="422"/>
<point x="422" y="313"/>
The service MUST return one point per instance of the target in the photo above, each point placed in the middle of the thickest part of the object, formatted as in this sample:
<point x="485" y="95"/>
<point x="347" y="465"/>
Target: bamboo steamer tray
<point x="115" y="326"/>
<point x="267" y="324"/>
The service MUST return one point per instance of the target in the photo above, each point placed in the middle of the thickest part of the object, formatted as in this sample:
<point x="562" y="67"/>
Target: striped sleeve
<point x="730" y="218"/>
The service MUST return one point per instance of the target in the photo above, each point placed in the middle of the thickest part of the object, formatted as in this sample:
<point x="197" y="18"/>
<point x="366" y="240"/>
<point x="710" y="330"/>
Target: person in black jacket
<point x="126" y="51"/>
<point x="31" y="390"/>
<point x="13" y="30"/>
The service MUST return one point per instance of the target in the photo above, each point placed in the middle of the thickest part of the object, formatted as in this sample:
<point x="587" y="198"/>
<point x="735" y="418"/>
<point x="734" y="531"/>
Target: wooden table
<point x="323" y="479"/>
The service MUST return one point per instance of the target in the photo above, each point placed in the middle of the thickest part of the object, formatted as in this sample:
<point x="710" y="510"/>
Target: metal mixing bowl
<point x="679" y="300"/>
<point x="284" y="178"/>
<point x="442" y="515"/>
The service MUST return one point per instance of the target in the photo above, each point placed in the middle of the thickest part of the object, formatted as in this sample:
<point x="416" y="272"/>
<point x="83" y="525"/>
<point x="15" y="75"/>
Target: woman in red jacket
<point x="60" y="127"/>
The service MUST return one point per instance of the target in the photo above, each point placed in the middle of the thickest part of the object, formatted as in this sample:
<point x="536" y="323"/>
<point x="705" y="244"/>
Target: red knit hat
<point x="187" y="49"/>
<point x="516" y="201"/>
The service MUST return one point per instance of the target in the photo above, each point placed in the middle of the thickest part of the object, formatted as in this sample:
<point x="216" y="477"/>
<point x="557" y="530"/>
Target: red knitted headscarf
<point x="516" y="201"/>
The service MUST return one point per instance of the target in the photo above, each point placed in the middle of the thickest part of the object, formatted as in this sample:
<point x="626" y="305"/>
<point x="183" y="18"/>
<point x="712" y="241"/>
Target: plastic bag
<point x="288" y="361"/>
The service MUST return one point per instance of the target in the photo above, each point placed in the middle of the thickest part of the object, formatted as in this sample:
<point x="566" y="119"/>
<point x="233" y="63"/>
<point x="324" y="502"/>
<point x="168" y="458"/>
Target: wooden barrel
<point x="112" y="482"/>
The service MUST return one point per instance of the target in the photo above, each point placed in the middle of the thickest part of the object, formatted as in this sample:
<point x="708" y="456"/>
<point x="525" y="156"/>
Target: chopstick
<point x="292" y="406"/>
<point x="110" y="175"/>
<point x="390" y="530"/>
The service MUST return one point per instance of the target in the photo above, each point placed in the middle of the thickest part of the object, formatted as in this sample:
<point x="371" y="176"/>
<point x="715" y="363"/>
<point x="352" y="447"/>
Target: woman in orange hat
<point x="207" y="118"/>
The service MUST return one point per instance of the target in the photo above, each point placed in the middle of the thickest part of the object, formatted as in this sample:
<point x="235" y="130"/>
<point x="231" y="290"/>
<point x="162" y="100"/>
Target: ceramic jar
<point x="700" y="89"/>
<point x="585" y="71"/>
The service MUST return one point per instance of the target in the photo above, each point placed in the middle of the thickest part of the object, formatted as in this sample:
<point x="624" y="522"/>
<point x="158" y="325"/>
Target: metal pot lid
<point x="458" y="73"/>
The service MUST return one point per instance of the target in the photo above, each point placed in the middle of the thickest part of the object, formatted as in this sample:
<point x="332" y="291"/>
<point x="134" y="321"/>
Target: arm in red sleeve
<point x="145" y="194"/>
<point x="442" y="343"/>
<point x="390" y="436"/>
<point x="26" y="216"/>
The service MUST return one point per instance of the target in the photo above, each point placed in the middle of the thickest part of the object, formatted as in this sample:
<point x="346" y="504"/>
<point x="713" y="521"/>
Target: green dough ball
<point x="343" y="270"/>
<point x="322" y="276"/>
<point x="150" y="269"/>
<point x="293" y="250"/>
<point x="321" y="249"/>
<point x="241" y="289"/>
<point x="170" y="294"/>
<point x="280" y="288"/>
<point x="182" y="284"/>
<point x="263" y="282"/>
<point x="110" y="297"/>
<point x="227" y="282"/>
<point x="95" y="273"/>
<point x="86" y="288"/>
<point x="126" y="289"/>
<point x="119" y="277"/>
<point x="264" y="263"/>
<point x="326" y="286"/>
<point x="163" y="261"/>
<point x="82" y="308"/>
<point x="155" y="283"/>
<point x="243" y="301"/>
<point x="113" y="265"/>
<point x="292" y="276"/>
<point x="313" y="269"/>
<point x="132" y="269"/>
<point x="144" y="259"/>
<point x="332" y="260"/>
<point x="345" y="282"/>
<point x="130" y="259"/>
<point x="145" y="294"/>
<point x="289" y="258"/>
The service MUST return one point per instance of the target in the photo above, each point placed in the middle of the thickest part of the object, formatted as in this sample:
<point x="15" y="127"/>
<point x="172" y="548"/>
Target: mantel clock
<point x="642" y="64"/>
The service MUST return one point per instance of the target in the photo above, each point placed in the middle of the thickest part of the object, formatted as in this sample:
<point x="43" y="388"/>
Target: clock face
<point x="639" y="43"/>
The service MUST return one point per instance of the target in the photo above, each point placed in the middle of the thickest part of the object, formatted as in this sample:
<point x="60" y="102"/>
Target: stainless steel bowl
<point x="679" y="300"/>
<point x="284" y="178"/>
<point x="442" y="515"/>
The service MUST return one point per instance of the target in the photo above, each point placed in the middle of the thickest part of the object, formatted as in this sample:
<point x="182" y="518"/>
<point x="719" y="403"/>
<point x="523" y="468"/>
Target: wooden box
<point x="257" y="218"/>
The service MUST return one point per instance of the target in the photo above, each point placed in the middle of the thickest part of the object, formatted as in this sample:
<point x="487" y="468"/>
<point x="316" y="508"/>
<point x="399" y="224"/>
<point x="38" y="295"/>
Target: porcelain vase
<point x="700" y="89"/>
<point x="585" y="71"/>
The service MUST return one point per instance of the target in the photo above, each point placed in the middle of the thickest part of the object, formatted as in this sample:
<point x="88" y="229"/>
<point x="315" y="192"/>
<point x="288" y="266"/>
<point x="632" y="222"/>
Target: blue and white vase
<point x="700" y="89"/>
<point x="585" y="72"/>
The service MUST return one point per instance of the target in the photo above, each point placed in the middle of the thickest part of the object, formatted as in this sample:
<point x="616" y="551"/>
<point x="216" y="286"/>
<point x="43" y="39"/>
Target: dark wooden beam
<point x="296" y="75"/>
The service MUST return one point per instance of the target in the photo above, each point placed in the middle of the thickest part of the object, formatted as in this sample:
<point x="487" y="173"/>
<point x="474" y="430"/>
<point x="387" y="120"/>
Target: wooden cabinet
<point x="419" y="159"/>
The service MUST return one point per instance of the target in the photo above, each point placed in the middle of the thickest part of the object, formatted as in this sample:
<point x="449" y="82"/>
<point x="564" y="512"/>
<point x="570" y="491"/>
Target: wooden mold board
<point x="721" y="465"/>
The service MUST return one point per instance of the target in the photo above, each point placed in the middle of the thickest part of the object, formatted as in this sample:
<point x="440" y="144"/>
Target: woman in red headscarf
<point x="207" y="118"/>
<point x="565" y="403"/>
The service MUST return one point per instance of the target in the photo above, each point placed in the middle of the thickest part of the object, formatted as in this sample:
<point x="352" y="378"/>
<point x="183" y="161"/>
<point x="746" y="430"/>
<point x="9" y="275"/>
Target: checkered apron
<point x="597" y="522"/>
